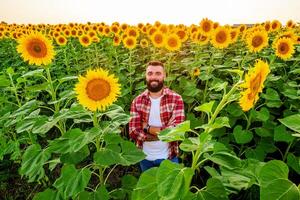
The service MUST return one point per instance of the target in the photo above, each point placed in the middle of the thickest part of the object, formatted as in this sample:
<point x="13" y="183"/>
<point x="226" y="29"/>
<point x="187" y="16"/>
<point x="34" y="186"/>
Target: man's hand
<point x="152" y="130"/>
<point x="151" y="137"/>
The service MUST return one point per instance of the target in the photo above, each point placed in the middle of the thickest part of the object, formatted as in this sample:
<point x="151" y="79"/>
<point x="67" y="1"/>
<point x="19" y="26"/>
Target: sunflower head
<point x="206" y="26"/>
<point x="257" y="40"/>
<point x="144" y="43"/>
<point x="158" y="39"/>
<point x="129" y="42"/>
<point x="173" y="42"/>
<point x="196" y="71"/>
<point x="116" y="40"/>
<point x="275" y="25"/>
<point x="221" y="37"/>
<point x="97" y="89"/>
<point x="182" y="34"/>
<point x="290" y="24"/>
<point x="253" y="84"/>
<point x="284" y="48"/>
<point x="36" y="49"/>
<point x="85" y="40"/>
<point x="61" y="40"/>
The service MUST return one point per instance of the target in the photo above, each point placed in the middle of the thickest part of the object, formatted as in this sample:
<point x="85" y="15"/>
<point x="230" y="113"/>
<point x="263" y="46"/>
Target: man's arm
<point x="135" y="125"/>
<point x="176" y="118"/>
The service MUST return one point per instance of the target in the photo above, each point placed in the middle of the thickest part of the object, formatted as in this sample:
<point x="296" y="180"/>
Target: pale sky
<point x="135" y="11"/>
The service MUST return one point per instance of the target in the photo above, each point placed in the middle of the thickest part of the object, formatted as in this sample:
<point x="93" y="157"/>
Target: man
<point x="155" y="109"/>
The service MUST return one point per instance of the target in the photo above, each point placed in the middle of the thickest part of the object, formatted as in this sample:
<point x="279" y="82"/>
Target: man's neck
<point x="155" y="95"/>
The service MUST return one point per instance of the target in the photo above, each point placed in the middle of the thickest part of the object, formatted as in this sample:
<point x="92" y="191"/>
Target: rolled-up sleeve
<point x="136" y="132"/>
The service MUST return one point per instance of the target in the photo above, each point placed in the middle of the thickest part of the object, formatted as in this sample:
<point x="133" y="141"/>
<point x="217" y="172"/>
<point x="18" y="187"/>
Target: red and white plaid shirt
<point x="171" y="114"/>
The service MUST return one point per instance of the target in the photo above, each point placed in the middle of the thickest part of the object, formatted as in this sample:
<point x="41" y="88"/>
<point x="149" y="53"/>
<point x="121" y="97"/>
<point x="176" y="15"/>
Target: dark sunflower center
<point x="158" y="39"/>
<point x="37" y="48"/>
<point x="255" y="84"/>
<point x="172" y="42"/>
<point x="283" y="48"/>
<point x="97" y="89"/>
<point x="257" y="41"/>
<point x="221" y="37"/>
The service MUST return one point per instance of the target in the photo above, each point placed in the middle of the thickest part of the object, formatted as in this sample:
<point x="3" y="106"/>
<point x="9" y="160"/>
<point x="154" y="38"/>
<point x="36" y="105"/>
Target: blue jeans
<point x="147" y="164"/>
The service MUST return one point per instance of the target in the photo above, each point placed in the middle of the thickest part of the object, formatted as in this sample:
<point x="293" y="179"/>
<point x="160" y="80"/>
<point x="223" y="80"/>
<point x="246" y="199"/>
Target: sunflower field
<point x="66" y="91"/>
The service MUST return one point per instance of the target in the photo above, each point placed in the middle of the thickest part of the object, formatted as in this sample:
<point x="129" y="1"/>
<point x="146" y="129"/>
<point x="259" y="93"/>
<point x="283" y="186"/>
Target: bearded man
<point x="157" y="108"/>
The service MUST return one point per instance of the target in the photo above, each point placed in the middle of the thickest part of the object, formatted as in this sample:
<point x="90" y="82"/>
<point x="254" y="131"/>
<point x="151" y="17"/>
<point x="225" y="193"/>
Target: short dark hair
<point x="155" y="63"/>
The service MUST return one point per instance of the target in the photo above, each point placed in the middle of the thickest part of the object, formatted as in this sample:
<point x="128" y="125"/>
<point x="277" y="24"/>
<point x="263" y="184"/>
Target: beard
<point x="155" y="87"/>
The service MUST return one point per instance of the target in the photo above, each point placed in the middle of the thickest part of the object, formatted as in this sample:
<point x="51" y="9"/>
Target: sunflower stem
<point x="96" y="124"/>
<point x="53" y="96"/>
<point x="14" y="89"/>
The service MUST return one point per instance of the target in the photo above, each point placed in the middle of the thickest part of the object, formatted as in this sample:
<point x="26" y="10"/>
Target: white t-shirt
<point x="155" y="149"/>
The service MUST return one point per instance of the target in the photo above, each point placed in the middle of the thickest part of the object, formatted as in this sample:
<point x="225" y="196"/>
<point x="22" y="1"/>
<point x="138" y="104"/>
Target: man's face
<point x="155" y="76"/>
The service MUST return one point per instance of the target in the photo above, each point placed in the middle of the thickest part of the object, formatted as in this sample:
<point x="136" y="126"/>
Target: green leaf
<point x="173" y="180"/>
<point x="100" y="194"/>
<point x="4" y="82"/>
<point x="218" y="123"/>
<point x="73" y="140"/>
<point x="274" y="169"/>
<point x="176" y="133"/>
<point x="292" y="122"/>
<point x="33" y="161"/>
<point x="26" y="108"/>
<point x="146" y="188"/>
<point x="129" y="155"/>
<point x="242" y="136"/>
<point x="224" y="159"/>
<point x="263" y="114"/>
<point x="36" y="72"/>
<point x="214" y="191"/>
<point x="129" y="182"/>
<point x="72" y="181"/>
<point x="48" y="194"/>
<point x="279" y="189"/>
<point x="271" y="94"/>
<point x="290" y="93"/>
<point x="282" y="135"/>
<point x="234" y="109"/>
<point x="293" y="162"/>
<point x="206" y="107"/>
<point x="190" y="144"/>
<point x="75" y="157"/>
<point x="263" y="132"/>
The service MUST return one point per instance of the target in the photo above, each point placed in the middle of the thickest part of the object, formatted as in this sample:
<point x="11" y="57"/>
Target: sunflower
<point x="220" y="37"/>
<point x="275" y="25"/>
<point x="200" y="39"/>
<point x="234" y="34"/>
<point x="253" y="84"/>
<point x="129" y="42"/>
<point x="36" y="48"/>
<point x="206" y="26"/>
<point x="144" y="43"/>
<point x="290" y="24"/>
<point x="97" y="90"/>
<point x="61" y="40"/>
<point x="158" y="39"/>
<point x="242" y="28"/>
<point x="267" y="26"/>
<point x="196" y="72"/>
<point x="173" y="42"/>
<point x="85" y="40"/>
<point x="116" y="40"/>
<point x="182" y="34"/>
<point x="115" y="29"/>
<point x="133" y="32"/>
<point x="284" y="48"/>
<point x="257" y="40"/>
